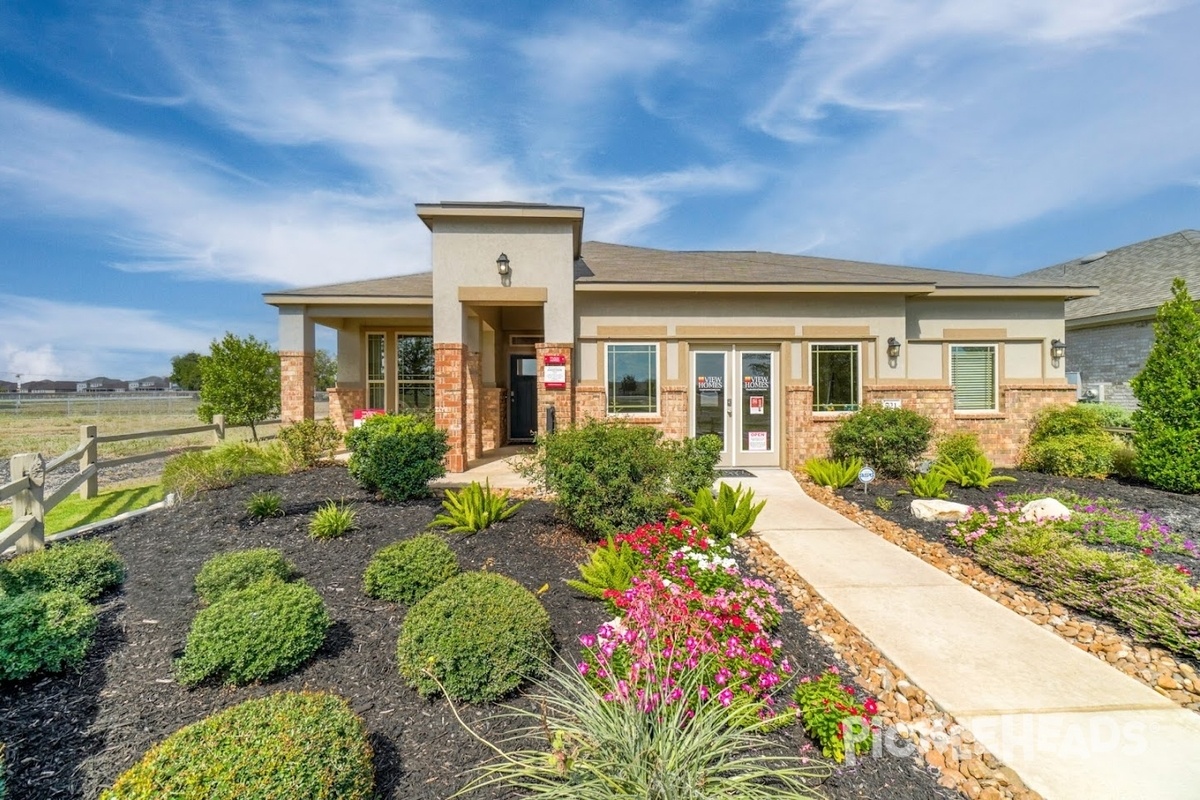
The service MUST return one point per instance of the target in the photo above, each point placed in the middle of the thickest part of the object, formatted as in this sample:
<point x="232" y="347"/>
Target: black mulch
<point x="70" y="736"/>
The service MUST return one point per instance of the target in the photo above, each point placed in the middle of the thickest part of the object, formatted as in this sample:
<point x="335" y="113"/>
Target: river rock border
<point x="1175" y="680"/>
<point x="905" y="711"/>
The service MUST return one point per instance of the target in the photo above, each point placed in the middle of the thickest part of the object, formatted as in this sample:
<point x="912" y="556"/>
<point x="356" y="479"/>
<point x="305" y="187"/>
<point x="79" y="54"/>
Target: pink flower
<point x="582" y="667"/>
<point x="725" y="697"/>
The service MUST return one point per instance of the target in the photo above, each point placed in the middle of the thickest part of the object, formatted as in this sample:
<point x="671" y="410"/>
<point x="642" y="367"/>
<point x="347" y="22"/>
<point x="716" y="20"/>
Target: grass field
<point x="73" y="512"/>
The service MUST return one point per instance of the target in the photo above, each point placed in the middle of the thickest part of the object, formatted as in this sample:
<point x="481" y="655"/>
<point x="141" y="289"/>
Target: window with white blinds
<point x="973" y="375"/>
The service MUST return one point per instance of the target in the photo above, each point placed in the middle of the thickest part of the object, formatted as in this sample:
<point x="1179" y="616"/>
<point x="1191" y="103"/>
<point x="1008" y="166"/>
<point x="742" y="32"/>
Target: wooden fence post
<point x="90" y="487"/>
<point x="219" y="431"/>
<point x="29" y="501"/>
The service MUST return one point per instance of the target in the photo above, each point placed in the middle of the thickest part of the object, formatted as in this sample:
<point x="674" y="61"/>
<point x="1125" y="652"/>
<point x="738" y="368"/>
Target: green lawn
<point x="73" y="512"/>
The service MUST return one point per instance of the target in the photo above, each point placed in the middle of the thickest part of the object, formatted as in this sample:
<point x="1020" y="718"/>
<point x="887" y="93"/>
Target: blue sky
<point x="163" y="164"/>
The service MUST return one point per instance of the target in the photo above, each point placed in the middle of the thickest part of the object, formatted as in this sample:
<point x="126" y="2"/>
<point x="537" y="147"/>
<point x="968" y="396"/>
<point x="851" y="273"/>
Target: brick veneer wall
<point x="493" y="423"/>
<point x="473" y="418"/>
<point x="449" y="401"/>
<point x="295" y="386"/>
<point x="342" y="402"/>
<point x="589" y="403"/>
<point x="673" y="407"/>
<point x="563" y="400"/>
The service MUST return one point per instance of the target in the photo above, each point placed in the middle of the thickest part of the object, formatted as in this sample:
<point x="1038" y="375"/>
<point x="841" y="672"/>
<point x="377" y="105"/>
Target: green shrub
<point x="265" y="630"/>
<point x="607" y="477"/>
<point x="834" y="474"/>
<point x="971" y="472"/>
<point x="611" y="566"/>
<point x="830" y="710"/>
<point x="397" y="455"/>
<point x="264" y="505"/>
<point x="958" y="447"/>
<point x="931" y="484"/>
<point x="692" y="464"/>
<point x="286" y="745"/>
<point x="43" y="632"/>
<point x="331" y="520"/>
<point x="310" y="442"/>
<point x="230" y="572"/>
<point x="1125" y="461"/>
<point x="1076" y="456"/>
<point x="1055" y="422"/>
<point x="88" y="568"/>
<point x="729" y="515"/>
<point x="1113" y="416"/>
<point x="888" y="439"/>
<point x="480" y="635"/>
<point x="1167" y="422"/>
<point x="406" y="571"/>
<point x="190" y="473"/>
<point x="473" y="508"/>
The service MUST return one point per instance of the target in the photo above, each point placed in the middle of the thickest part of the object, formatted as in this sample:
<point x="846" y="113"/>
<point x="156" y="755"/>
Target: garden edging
<point x="1174" y="680"/>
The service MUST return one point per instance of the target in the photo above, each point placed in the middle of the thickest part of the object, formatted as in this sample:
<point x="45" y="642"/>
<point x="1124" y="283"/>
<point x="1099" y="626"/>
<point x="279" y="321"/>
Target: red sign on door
<point x="554" y="371"/>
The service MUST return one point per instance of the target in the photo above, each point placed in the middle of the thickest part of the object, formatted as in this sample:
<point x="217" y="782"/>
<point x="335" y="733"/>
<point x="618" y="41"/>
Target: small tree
<point x="1167" y="422"/>
<point x="240" y="379"/>
<point x="324" y="370"/>
<point x="185" y="371"/>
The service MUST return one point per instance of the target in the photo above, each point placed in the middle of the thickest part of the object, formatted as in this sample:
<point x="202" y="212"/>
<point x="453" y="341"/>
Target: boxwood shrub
<point x="1069" y="440"/>
<point x="268" y="629"/>
<point x="229" y="572"/>
<point x="397" y="455"/>
<point x="406" y="571"/>
<point x="86" y="568"/>
<point x="480" y="634"/>
<point x="286" y="745"/>
<point x="888" y="439"/>
<point x="43" y="632"/>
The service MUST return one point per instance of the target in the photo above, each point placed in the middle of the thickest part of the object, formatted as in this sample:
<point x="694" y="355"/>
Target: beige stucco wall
<point x="541" y="255"/>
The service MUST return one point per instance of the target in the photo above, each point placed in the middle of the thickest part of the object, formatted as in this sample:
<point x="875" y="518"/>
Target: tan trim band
<point x="502" y="295"/>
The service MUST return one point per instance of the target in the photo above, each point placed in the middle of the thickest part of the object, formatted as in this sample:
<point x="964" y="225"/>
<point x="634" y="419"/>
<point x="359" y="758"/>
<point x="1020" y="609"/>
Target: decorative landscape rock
<point x="939" y="510"/>
<point x="1043" y="509"/>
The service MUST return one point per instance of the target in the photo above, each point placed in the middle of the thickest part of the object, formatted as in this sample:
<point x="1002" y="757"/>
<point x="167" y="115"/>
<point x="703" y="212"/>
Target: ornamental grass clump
<point x="43" y="632"/>
<point x="86" y="568"/>
<point x="834" y="716"/>
<point x="332" y="520"/>
<point x="229" y="572"/>
<point x="264" y="505"/>
<point x="188" y="474"/>
<point x="285" y="745"/>
<point x="406" y="571"/>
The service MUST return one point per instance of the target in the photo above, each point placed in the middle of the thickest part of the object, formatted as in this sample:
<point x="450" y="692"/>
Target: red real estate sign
<point x="554" y="372"/>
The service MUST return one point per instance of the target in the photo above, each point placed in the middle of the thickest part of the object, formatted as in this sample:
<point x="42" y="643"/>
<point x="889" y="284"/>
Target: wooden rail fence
<point x="28" y="471"/>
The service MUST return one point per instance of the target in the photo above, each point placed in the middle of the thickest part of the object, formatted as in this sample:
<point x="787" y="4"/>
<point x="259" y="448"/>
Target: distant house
<point x="1110" y="335"/>
<point x="8" y="386"/>
<point x="101" y="384"/>
<point x="48" y="387"/>
<point x="153" y="383"/>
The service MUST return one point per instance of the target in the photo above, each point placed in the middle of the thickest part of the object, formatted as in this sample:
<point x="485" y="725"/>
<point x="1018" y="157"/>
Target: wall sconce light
<point x="502" y="266"/>
<point x="1058" y="349"/>
<point x="893" y="348"/>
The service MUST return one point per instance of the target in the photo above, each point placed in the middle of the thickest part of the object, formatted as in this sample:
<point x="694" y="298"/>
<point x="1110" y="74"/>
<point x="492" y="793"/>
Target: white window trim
<point x="367" y="380"/>
<point x="995" y="378"/>
<point x="395" y="371"/>
<point x="812" y="378"/>
<point x="657" y="412"/>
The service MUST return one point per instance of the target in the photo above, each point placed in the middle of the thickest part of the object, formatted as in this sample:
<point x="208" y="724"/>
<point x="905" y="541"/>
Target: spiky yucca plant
<point x="831" y="473"/>
<point x="473" y="508"/>
<point x="728" y="515"/>
<point x="612" y="566"/>
<point x="971" y="472"/>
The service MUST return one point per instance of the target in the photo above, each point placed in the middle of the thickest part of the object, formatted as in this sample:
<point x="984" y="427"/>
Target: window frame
<point x="368" y="381"/>
<point x="608" y="394"/>
<point x="399" y="384"/>
<point x="995" y="350"/>
<point x="858" y="377"/>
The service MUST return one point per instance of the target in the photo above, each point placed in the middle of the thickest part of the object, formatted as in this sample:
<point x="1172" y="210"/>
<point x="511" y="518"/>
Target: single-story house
<point x="1111" y="333"/>
<point x="520" y="325"/>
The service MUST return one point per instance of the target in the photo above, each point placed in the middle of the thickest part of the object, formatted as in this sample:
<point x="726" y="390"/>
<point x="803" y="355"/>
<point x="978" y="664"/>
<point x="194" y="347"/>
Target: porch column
<point x="563" y="399"/>
<point x="450" y="400"/>
<point x="348" y="394"/>
<point x="296" y="348"/>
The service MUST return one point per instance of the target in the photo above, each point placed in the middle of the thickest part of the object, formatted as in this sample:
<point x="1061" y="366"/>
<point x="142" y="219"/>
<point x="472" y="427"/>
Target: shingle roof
<point x="1133" y="278"/>
<point x="417" y="285"/>
<point x="615" y="263"/>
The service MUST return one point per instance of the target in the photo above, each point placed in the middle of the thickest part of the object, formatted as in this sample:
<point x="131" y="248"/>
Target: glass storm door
<point x="710" y="403"/>
<point x="756" y="410"/>
<point x="735" y="398"/>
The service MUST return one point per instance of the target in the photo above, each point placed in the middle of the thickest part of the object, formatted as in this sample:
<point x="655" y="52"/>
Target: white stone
<point x="1044" y="509"/>
<point x="939" y="510"/>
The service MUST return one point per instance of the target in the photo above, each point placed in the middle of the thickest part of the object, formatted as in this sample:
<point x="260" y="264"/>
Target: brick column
<point x="563" y="400"/>
<point x="674" y="411"/>
<point x="295" y="386"/>
<point x="474" y="406"/>
<point x="801" y="438"/>
<point x="450" y="401"/>
<point x="492" y="432"/>
<point x="342" y="402"/>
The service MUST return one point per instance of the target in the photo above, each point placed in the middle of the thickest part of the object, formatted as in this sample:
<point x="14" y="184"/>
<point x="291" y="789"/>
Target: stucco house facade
<point x="1111" y="333"/>
<point x="521" y="324"/>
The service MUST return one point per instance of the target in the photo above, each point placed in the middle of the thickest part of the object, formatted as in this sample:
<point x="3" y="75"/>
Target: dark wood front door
<point x="522" y="398"/>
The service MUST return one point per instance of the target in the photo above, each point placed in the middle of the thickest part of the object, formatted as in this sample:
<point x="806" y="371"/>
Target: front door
<point x="522" y="398"/>
<point x="735" y="398"/>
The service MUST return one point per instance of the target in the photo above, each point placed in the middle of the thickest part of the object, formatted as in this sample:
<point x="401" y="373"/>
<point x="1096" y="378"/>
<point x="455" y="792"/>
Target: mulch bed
<point x="70" y="736"/>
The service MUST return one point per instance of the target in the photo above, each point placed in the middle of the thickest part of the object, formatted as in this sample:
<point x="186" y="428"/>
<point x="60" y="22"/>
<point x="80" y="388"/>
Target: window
<point x="376" y="381"/>
<point x="414" y="373"/>
<point x="973" y="376"/>
<point x="633" y="379"/>
<point x="835" y="377"/>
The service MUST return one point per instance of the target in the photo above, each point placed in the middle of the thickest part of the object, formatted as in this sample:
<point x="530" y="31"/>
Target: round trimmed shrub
<point x="406" y="571"/>
<point x="290" y="744"/>
<point x="229" y="572"/>
<point x="480" y="634"/>
<point x="43" y="632"/>
<point x="397" y="455"/>
<point x="86" y="568"/>
<point x="267" y="629"/>
<point x="888" y="439"/>
<point x="1069" y="440"/>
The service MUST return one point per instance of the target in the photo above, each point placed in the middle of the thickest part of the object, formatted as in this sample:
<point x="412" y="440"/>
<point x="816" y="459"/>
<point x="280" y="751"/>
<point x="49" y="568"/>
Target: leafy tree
<point x="324" y="370"/>
<point x="1167" y="422"/>
<point x="240" y="379"/>
<point x="185" y="371"/>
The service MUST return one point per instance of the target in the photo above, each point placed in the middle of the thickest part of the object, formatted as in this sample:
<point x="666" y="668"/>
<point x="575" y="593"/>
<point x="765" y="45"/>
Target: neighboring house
<point x="8" y="386"/>
<point x="101" y="384"/>
<point x="1110" y="334"/>
<point x="521" y="321"/>
<point x="153" y="383"/>
<point x="48" y="387"/>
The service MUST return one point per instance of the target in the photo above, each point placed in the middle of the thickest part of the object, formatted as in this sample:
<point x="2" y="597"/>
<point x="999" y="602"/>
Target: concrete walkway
<point x="495" y="467"/>
<point x="1071" y="726"/>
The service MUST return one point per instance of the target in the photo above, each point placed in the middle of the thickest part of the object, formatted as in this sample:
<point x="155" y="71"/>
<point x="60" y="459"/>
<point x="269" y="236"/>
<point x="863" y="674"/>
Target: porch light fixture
<point x="502" y="266"/>
<point x="1058" y="349"/>
<point x="893" y="348"/>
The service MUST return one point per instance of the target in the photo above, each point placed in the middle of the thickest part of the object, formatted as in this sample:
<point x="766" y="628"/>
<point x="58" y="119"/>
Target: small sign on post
<point x="865" y="476"/>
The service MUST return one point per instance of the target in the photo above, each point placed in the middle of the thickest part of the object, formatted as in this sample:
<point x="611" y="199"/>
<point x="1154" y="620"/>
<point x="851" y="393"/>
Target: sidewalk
<point x="1071" y="726"/>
